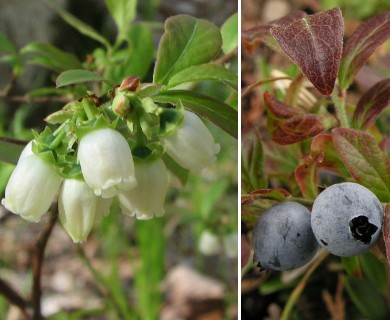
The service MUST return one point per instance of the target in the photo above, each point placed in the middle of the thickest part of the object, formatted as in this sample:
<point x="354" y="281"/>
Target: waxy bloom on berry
<point x="77" y="206"/>
<point x="32" y="187"/>
<point x="106" y="162"/>
<point x="191" y="145"/>
<point x="146" y="200"/>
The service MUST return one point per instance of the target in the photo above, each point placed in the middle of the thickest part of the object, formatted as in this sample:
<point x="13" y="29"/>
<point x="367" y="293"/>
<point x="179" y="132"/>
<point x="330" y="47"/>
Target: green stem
<point x="55" y="143"/>
<point x="339" y="103"/>
<point x="293" y="298"/>
<point x="87" y="109"/>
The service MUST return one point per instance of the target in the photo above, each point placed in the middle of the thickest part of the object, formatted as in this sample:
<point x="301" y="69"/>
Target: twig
<point x="14" y="298"/>
<point x="248" y="89"/>
<point x="27" y="99"/>
<point x="227" y="57"/>
<point x="38" y="262"/>
<point x="300" y="286"/>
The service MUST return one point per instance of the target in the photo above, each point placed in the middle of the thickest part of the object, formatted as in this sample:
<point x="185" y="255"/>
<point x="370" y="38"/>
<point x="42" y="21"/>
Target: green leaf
<point x="364" y="160"/>
<point x="366" y="298"/>
<point x="204" y="72"/>
<point x="375" y="271"/>
<point x="186" y="42"/>
<point x="229" y="32"/>
<point x="10" y="149"/>
<point x="209" y="108"/>
<point x="252" y="164"/>
<point x="69" y="77"/>
<point x="123" y="12"/>
<point x="58" y="59"/>
<point x="6" y="45"/>
<point x="181" y="173"/>
<point x="76" y="23"/>
<point x="352" y="266"/>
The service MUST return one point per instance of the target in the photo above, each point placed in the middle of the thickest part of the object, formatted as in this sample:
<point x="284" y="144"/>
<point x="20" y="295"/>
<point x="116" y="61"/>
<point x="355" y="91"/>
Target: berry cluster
<point x="104" y="150"/>
<point x="346" y="220"/>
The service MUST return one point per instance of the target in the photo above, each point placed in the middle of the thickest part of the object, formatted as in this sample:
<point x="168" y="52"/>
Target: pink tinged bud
<point x="192" y="146"/>
<point x="31" y="188"/>
<point x="209" y="243"/>
<point x="146" y="200"/>
<point x="106" y="162"/>
<point x="77" y="207"/>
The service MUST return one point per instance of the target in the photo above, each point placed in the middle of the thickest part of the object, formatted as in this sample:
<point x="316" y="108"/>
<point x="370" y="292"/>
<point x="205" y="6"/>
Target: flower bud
<point x="146" y="200"/>
<point x="106" y="162"/>
<point x="31" y="188"/>
<point x="192" y="146"/>
<point x="209" y="243"/>
<point x="77" y="206"/>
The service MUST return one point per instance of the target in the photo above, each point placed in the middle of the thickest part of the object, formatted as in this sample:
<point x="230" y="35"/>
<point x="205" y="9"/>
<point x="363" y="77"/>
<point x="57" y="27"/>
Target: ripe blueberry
<point x="347" y="219"/>
<point x="283" y="239"/>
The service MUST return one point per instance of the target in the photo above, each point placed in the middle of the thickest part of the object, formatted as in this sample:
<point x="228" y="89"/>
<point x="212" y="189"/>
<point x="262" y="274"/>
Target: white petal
<point x="209" y="243"/>
<point x="106" y="162"/>
<point x="77" y="207"/>
<point x="191" y="145"/>
<point x="31" y="188"/>
<point x="146" y="200"/>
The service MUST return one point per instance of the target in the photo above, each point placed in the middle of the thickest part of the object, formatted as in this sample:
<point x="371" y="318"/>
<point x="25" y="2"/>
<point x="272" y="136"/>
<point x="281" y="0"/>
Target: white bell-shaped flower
<point x="31" y="188"/>
<point x="191" y="145"/>
<point x="230" y="243"/>
<point x="106" y="162"/>
<point x="146" y="200"/>
<point x="209" y="243"/>
<point x="27" y="151"/>
<point x="77" y="206"/>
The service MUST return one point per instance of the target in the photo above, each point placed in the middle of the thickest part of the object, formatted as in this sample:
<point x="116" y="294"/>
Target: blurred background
<point x="181" y="266"/>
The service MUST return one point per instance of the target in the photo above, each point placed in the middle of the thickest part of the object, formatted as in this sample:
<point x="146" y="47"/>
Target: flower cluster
<point x="106" y="150"/>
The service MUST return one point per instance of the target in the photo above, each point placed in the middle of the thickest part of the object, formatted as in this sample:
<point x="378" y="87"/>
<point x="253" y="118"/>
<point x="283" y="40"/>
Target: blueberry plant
<point x="318" y="149"/>
<point x="120" y="133"/>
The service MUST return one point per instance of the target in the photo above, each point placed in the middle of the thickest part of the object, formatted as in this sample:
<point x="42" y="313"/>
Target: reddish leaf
<point x="385" y="146"/>
<point x="315" y="44"/>
<point x="371" y="104"/>
<point x="323" y="143"/>
<point x="386" y="231"/>
<point x="306" y="175"/>
<point x="364" y="160"/>
<point x="288" y="125"/>
<point x="363" y="42"/>
<point x="253" y="37"/>
<point x="245" y="252"/>
<point x="273" y="194"/>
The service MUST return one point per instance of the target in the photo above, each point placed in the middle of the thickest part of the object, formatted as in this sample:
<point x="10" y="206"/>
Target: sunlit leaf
<point x="10" y="149"/>
<point x="253" y="37"/>
<point x="209" y="108"/>
<point x="364" y="160"/>
<point x="315" y="44"/>
<point x="186" y="42"/>
<point x="363" y="42"/>
<point x="371" y="104"/>
<point x="205" y="72"/>
<point x="288" y="125"/>
<point x="229" y="32"/>
<point x="123" y="12"/>
<point x="69" y="77"/>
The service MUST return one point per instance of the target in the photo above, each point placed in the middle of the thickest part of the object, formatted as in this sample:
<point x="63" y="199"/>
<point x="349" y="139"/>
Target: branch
<point x="14" y="298"/>
<point x="38" y="262"/>
<point x="227" y="57"/>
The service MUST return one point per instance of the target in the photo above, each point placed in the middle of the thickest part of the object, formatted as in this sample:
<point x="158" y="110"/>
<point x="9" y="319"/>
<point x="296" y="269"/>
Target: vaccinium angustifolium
<point x="283" y="239"/>
<point x="347" y="219"/>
